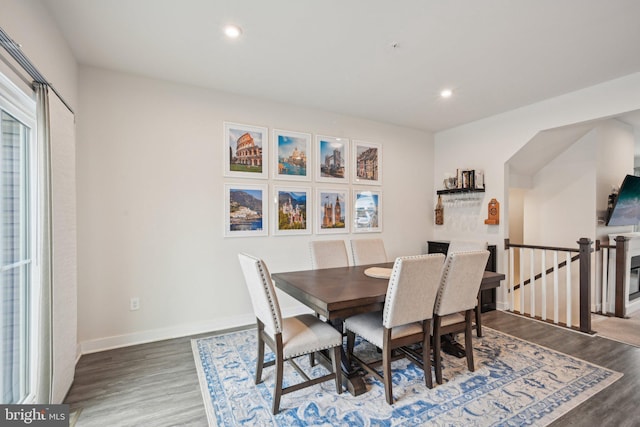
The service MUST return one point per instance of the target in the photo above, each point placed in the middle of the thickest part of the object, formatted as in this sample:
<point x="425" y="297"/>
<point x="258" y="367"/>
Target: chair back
<point x="412" y="290"/>
<point x="368" y="251"/>
<point x="461" y="279"/>
<point x="328" y="254"/>
<point x="262" y="292"/>
<point x="466" y="246"/>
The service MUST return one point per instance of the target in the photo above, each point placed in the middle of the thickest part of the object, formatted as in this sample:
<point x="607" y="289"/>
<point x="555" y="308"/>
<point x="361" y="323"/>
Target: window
<point x="17" y="220"/>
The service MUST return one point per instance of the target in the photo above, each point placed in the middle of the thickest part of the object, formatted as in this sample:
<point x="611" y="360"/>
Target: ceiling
<point x="339" y="56"/>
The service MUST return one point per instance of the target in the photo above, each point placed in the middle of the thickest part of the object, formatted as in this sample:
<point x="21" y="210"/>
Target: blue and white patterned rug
<point x="515" y="383"/>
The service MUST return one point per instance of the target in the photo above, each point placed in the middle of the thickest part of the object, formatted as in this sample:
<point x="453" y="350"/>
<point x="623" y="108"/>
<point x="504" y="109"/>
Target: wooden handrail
<point x="508" y="245"/>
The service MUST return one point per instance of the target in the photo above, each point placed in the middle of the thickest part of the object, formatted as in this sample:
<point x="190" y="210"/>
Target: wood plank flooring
<point x="156" y="384"/>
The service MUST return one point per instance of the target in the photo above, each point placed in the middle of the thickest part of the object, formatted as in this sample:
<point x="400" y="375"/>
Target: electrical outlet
<point x="134" y="304"/>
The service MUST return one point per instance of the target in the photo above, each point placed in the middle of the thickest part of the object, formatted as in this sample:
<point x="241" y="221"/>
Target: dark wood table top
<point x="337" y="293"/>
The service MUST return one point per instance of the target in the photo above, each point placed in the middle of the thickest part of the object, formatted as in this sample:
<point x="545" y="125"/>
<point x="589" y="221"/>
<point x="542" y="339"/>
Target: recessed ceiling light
<point x="232" y="31"/>
<point x="446" y="93"/>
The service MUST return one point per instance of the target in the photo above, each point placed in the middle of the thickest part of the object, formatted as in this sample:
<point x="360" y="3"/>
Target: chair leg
<point x="468" y="344"/>
<point x="426" y="354"/>
<point x="386" y="366"/>
<point x="260" y="359"/>
<point x="337" y="369"/>
<point x="436" y="348"/>
<point x="277" y="389"/>
<point x="478" y="321"/>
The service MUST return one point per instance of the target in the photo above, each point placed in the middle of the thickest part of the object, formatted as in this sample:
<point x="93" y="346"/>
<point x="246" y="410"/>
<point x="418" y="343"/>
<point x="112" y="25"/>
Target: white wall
<point x="150" y="200"/>
<point x="487" y="144"/>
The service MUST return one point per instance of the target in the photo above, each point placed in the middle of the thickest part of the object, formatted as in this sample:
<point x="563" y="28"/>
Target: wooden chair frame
<point x="277" y="348"/>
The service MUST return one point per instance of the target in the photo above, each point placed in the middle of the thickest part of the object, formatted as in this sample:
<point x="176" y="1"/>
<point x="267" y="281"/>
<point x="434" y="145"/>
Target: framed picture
<point x="332" y="211"/>
<point x="332" y="162"/>
<point x="367" y="163"/>
<point x="245" y="151"/>
<point x="292" y="211"/>
<point x="245" y="210"/>
<point x="291" y="152"/>
<point x="367" y="211"/>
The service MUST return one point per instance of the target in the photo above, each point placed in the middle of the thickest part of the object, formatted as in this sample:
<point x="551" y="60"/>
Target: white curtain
<point x="58" y="343"/>
<point x="44" y="350"/>
<point x="64" y="238"/>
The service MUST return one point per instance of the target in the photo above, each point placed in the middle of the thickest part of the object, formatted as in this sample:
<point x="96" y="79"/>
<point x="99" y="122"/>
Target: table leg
<point x="352" y="378"/>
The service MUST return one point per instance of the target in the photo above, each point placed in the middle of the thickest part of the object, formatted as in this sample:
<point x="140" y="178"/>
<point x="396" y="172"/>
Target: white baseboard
<point x="143" y="337"/>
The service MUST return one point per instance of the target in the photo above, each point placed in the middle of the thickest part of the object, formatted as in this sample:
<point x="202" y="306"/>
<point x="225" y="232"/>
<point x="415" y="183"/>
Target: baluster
<point x="568" y="286"/>
<point x="555" y="287"/>
<point x="605" y="280"/>
<point x="521" y="280"/>
<point x="543" y="283"/>
<point x="532" y="285"/>
<point x="511" y="278"/>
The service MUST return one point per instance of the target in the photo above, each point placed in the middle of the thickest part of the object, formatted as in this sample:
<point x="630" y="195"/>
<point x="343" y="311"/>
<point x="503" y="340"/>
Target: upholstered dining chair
<point x="368" y="251"/>
<point x="288" y="338"/>
<point x="406" y="318"/>
<point x="328" y="254"/>
<point x="468" y="246"/>
<point x="458" y="292"/>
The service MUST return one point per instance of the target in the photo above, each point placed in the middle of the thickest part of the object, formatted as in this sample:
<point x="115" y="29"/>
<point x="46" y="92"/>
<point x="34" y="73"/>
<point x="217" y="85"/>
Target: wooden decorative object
<point x="494" y="213"/>
<point x="439" y="212"/>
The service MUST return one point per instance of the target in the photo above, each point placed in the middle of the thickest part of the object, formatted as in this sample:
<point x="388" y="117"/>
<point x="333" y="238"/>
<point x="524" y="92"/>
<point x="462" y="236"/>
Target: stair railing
<point x="583" y="257"/>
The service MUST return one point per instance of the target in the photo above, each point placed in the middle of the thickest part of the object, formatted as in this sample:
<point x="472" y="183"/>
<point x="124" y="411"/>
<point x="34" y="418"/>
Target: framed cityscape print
<point x="291" y="155"/>
<point x="246" y="149"/>
<point x="367" y="211"/>
<point x="367" y="163"/>
<point x="332" y="159"/>
<point x="332" y="211"/>
<point x="293" y="210"/>
<point x="245" y="210"/>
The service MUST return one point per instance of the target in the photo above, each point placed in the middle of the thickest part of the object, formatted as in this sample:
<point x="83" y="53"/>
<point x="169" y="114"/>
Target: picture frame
<point x="246" y="149"/>
<point x="332" y="211"/>
<point x="291" y="155"/>
<point x="332" y="159"/>
<point x="246" y="210"/>
<point x="293" y="210"/>
<point x="367" y="163"/>
<point x="367" y="211"/>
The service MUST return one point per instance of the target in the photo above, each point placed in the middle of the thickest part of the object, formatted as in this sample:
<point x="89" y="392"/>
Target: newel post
<point x="585" y="284"/>
<point x="621" y="270"/>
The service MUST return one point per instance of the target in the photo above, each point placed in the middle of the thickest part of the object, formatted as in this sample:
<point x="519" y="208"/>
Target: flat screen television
<point x="626" y="209"/>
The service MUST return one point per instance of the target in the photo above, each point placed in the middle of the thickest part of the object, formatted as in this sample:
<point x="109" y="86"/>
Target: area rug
<point x="515" y="383"/>
<point x="626" y="331"/>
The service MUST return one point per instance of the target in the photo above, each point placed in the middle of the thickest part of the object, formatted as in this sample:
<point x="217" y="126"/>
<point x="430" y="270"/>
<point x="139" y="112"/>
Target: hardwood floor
<point x="156" y="384"/>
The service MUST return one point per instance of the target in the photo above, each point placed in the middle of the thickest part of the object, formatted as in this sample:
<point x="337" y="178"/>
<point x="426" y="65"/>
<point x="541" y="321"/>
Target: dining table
<point x="337" y="293"/>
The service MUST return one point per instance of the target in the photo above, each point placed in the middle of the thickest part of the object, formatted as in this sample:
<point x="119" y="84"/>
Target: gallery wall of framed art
<point x="287" y="183"/>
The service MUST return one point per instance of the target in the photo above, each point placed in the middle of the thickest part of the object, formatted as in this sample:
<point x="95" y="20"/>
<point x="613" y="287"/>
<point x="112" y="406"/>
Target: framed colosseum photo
<point x="245" y="151"/>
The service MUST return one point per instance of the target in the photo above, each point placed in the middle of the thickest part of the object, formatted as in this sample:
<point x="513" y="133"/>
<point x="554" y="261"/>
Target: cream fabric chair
<point x="288" y="338"/>
<point x="458" y="292"/>
<point x="406" y="318"/>
<point x="456" y="246"/>
<point x="466" y="246"/>
<point x="368" y="251"/>
<point x="328" y="254"/>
